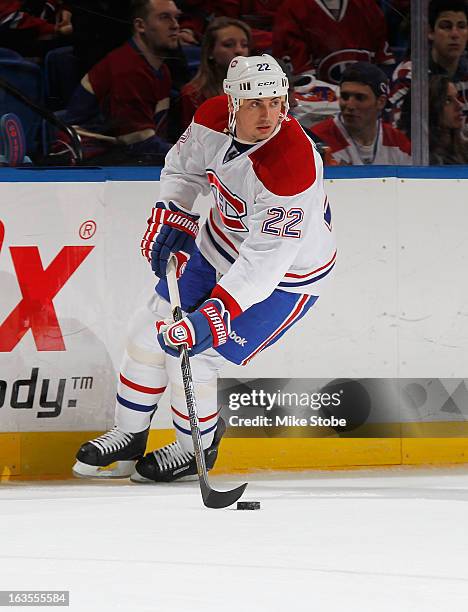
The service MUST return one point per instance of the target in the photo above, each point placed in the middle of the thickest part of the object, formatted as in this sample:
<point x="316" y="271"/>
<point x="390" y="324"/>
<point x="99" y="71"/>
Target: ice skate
<point x="172" y="462"/>
<point x="112" y="455"/>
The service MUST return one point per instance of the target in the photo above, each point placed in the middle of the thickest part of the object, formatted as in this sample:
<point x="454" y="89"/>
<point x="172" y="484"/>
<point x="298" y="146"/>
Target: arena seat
<point x="9" y="54"/>
<point x="61" y="77"/>
<point x="27" y="78"/>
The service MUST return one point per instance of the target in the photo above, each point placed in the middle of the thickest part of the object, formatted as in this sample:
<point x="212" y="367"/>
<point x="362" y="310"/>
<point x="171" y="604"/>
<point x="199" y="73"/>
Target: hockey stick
<point x="211" y="497"/>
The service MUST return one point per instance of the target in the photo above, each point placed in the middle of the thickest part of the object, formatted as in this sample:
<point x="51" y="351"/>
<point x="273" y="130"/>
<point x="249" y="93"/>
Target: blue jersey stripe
<point x="189" y="433"/>
<point x="307" y="282"/>
<point x="133" y="406"/>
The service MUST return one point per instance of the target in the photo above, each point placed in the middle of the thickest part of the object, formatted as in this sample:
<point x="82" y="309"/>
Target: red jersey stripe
<point x="201" y="419"/>
<point x="141" y="388"/>
<point x="220" y="233"/>
<point x="290" y="319"/>
<point x="292" y="275"/>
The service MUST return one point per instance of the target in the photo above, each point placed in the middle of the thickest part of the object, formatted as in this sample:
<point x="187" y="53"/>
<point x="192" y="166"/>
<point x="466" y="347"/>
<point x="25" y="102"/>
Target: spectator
<point x="448" y="33"/>
<point x="52" y="11"/>
<point x="224" y="39"/>
<point x="125" y="97"/>
<point x="258" y="14"/>
<point x="357" y="135"/>
<point x="446" y="142"/>
<point x="23" y="31"/>
<point x="100" y="26"/>
<point x="320" y="40"/>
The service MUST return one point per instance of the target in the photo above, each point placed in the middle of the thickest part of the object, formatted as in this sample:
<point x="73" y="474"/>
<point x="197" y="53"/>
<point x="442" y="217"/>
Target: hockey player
<point x="260" y="262"/>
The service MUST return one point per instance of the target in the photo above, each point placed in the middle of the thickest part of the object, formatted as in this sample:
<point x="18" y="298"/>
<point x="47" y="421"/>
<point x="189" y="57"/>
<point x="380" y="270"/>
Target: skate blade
<point x="119" y="469"/>
<point x="136" y="477"/>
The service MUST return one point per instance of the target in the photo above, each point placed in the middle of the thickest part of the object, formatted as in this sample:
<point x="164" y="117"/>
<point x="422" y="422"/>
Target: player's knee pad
<point x="144" y="356"/>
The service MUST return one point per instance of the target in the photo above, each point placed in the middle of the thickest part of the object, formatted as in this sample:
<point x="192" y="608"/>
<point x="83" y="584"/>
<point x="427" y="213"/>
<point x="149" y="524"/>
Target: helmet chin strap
<point x="236" y="103"/>
<point x="234" y="106"/>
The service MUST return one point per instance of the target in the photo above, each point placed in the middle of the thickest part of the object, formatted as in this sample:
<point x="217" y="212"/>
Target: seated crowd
<point x="141" y="68"/>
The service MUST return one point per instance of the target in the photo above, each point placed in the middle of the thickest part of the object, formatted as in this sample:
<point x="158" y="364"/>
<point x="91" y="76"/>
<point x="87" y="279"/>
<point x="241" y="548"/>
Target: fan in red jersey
<point x="324" y="36"/>
<point x="21" y="29"/>
<point x="122" y="102"/>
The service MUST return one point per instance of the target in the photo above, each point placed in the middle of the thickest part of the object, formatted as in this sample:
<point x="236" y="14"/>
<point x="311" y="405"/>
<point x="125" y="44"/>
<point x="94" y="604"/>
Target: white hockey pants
<point x="146" y="371"/>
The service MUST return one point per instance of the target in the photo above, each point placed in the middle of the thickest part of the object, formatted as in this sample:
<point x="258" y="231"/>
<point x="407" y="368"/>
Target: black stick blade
<point x="220" y="499"/>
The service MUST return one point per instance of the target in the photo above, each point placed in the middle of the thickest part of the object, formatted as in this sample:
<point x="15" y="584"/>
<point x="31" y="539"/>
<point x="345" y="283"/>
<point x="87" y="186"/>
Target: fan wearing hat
<point x="357" y="135"/>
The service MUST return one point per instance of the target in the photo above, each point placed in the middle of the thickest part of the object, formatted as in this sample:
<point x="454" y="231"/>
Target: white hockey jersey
<point x="270" y="225"/>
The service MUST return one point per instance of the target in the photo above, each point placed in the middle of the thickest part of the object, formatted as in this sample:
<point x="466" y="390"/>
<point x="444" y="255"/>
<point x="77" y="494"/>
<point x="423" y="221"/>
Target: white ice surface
<point x="384" y="540"/>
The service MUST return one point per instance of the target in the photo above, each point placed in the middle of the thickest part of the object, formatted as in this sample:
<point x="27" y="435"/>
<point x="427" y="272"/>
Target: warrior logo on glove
<point x="216" y="323"/>
<point x="207" y="327"/>
<point x="171" y="230"/>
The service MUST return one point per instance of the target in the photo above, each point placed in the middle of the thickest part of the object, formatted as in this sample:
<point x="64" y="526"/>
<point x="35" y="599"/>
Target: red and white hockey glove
<point x="209" y="326"/>
<point x="171" y="229"/>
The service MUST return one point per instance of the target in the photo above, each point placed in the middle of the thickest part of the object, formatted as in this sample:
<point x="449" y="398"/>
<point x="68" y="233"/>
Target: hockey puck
<point x="254" y="505"/>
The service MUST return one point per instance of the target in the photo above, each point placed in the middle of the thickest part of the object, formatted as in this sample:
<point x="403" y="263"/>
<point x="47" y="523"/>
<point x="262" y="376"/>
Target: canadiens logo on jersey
<point x="332" y="66"/>
<point x="232" y="208"/>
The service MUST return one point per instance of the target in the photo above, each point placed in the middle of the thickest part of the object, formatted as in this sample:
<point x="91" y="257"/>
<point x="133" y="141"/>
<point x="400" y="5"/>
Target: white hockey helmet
<point x="258" y="76"/>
